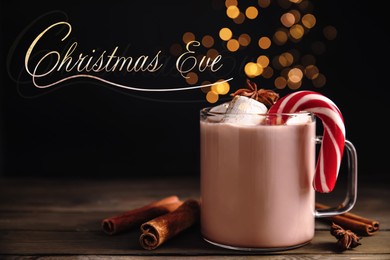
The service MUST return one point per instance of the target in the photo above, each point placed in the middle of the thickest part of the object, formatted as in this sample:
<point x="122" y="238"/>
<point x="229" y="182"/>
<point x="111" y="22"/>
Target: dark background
<point x="86" y="129"/>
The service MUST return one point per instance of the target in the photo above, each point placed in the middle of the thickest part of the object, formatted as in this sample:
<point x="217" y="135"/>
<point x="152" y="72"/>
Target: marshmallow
<point x="298" y="119"/>
<point x="245" y="111"/>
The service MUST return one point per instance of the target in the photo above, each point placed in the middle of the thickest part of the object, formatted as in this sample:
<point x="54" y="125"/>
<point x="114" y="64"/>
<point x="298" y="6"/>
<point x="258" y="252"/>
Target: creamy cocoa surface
<point x="256" y="184"/>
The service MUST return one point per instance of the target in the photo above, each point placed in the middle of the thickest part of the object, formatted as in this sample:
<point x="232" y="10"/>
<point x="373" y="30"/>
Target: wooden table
<point x="60" y="218"/>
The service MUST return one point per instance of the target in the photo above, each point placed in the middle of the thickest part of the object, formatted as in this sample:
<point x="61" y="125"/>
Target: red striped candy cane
<point x="332" y="148"/>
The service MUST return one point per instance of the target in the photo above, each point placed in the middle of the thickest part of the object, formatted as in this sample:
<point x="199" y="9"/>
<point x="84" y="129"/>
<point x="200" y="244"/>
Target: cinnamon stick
<point x="353" y="222"/>
<point x="155" y="232"/>
<point x="134" y="218"/>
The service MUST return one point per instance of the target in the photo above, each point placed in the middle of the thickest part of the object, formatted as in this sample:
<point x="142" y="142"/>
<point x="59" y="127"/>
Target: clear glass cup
<point x="256" y="180"/>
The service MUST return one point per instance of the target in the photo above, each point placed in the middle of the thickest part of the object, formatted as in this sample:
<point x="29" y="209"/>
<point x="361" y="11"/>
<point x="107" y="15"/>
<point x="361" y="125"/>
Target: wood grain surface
<point x="60" y="219"/>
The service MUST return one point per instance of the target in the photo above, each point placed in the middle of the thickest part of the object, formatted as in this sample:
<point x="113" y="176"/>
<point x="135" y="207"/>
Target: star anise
<point x="267" y="97"/>
<point x="346" y="239"/>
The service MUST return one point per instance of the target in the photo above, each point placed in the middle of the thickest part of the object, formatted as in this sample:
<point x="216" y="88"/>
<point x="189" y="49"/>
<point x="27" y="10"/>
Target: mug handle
<point x="350" y="198"/>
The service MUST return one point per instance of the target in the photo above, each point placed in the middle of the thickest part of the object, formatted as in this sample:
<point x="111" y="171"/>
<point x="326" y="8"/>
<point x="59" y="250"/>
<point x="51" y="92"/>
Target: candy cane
<point x="331" y="151"/>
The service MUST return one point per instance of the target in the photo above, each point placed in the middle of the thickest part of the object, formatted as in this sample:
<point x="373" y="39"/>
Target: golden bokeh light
<point x="212" y="53"/>
<point x="240" y="18"/>
<point x="305" y="6"/>
<point x="231" y="2"/>
<point x="188" y="36"/>
<point x="212" y="96"/>
<point x="309" y="21"/>
<point x="291" y="62"/>
<point x="220" y="87"/>
<point x="287" y="19"/>
<point x="251" y="12"/>
<point x="264" y="42"/>
<point x="280" y="37"/>
<point x="268" y="72"/>
<point x="225" y="34"/>
<point x="280" y="82"/>
<point x="264" y="3"/>
<point x="285" y="72"/>
<point x="296" y="14"/>
<point x="244" y="39"/>
<point x="295" y="75"/>
<point x="233" y="45"/>
<point x="311" y="72"/>
<point x="286" y="59"/>
<point x="283" y="61"/>
<point x="297" y="31"/>
<point x="192" y="78"/>
<point x="263" y="61"/>
<point x="232" y="11"/>
<point x="207" y="41"/>
<point x="294" y="85"/>
<point x="319" y="81"/>
<point x="330" y="32"/>
<point x="253" y="69"/>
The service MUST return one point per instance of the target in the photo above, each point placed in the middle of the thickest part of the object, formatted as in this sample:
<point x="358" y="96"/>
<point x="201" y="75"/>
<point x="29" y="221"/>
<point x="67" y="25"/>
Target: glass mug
<point x="256" y="181"/>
